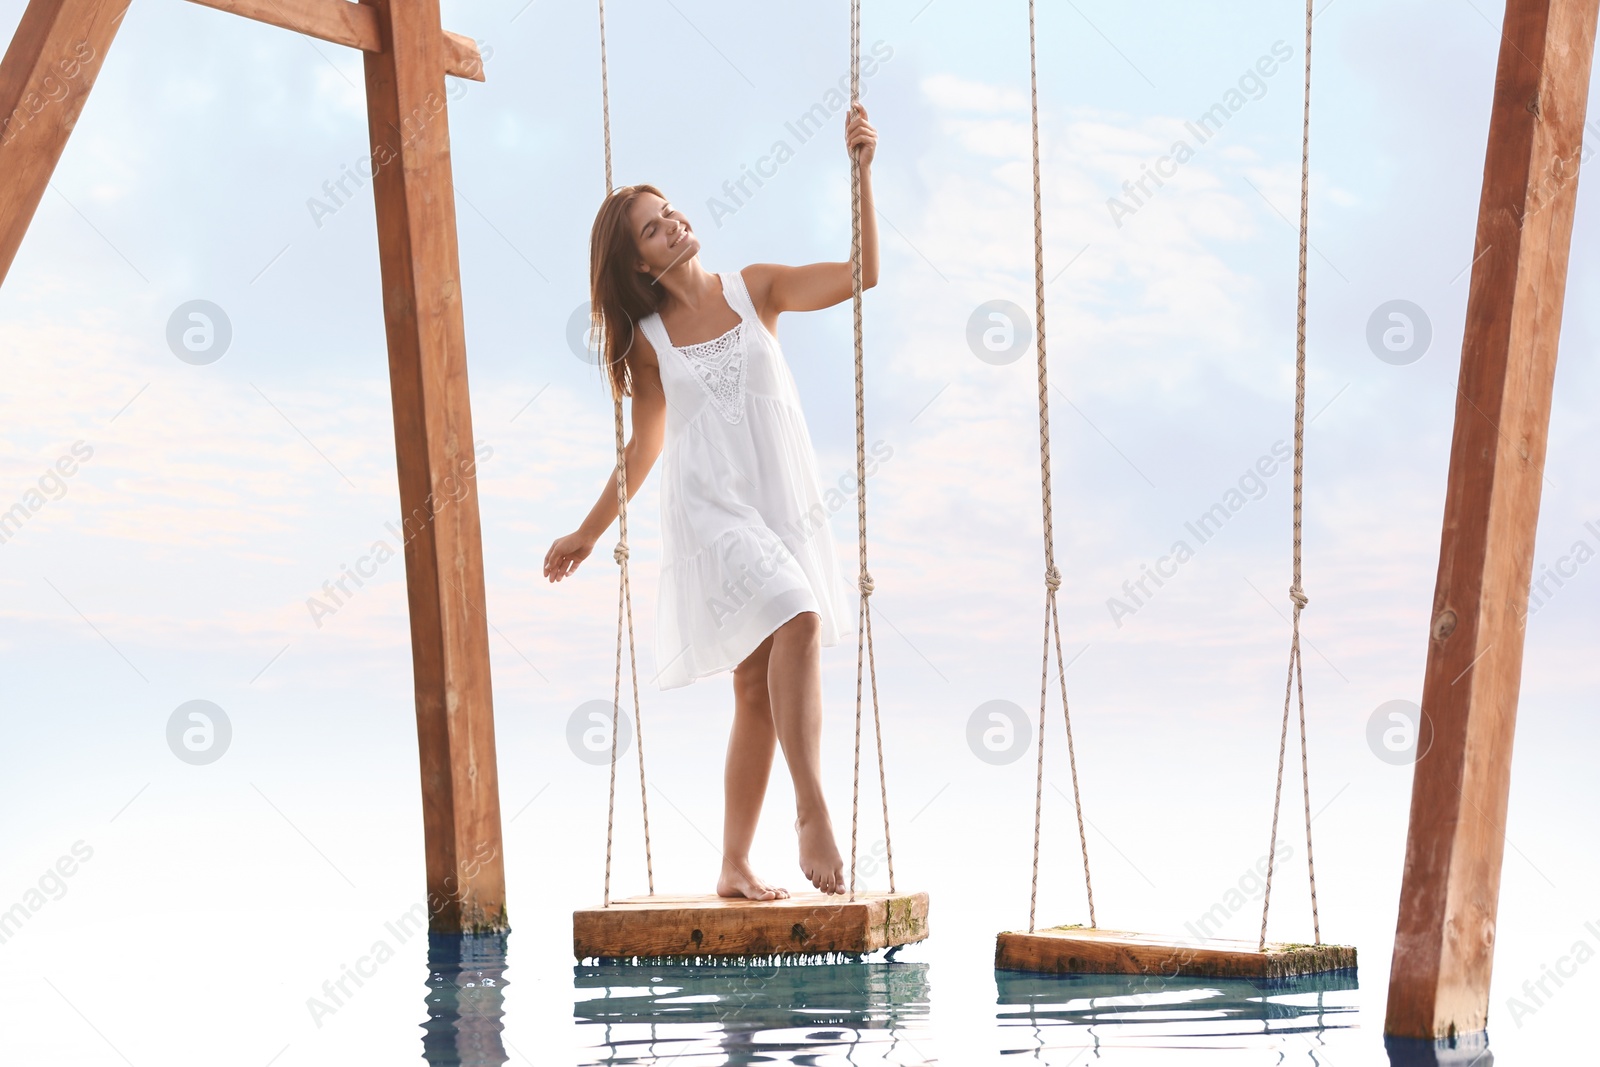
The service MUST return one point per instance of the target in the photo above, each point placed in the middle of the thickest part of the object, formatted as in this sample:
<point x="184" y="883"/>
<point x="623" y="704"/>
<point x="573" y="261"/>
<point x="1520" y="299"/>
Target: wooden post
<point x="415" y="202"/>
<point x="45" y="78"/>
<point x="1444" y="940"/>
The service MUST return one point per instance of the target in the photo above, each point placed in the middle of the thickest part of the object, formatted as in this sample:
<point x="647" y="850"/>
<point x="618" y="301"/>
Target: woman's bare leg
<point x="794" y="686"/>
<point x="751" y="745"/>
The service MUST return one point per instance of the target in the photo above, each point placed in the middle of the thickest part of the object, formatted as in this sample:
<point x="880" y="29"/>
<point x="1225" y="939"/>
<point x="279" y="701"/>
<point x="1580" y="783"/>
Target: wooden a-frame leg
<point x="415" y="204"/>
<point x="1444" y="940"/>
<point x="45" y="78"/>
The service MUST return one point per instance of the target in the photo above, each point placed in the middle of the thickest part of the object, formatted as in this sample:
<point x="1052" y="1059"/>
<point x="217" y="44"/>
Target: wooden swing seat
<point x="1081" y="950"/>
<point x="807" y="924"/>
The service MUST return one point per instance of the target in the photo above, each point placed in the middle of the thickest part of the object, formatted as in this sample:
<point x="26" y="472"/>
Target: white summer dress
<point x="745" y="539"/>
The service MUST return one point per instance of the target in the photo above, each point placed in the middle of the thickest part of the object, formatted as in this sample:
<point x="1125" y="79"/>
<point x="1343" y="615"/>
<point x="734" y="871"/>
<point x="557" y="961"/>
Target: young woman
<point x="748" y="578"/>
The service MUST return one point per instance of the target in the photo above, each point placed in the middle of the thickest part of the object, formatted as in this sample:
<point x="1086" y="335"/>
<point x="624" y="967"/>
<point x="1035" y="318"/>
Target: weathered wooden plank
<point x="1449" y="899"/>
<point x="415" y="202"/>
<point x="461" y="57"/>
<point x="689" y="926"/>
<point x="45" y="78"/>
<point x="1080" y="950"/>
<point x="350" y="24"/>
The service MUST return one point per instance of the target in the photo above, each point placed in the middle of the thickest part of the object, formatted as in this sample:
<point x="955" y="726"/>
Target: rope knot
<point x="1052" y="578"/>
<point x="1299" y="597"/>
<point x="620" y="553"/>
<point x="865" y="583"/>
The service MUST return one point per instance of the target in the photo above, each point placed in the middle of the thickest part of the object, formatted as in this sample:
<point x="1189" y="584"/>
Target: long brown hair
<point x="619" y="296"/>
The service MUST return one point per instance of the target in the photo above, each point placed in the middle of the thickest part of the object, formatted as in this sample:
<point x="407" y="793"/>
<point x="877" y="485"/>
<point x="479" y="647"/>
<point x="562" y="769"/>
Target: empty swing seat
<point x="1091" y="950"/>
<point x="708" y="927"/>
<point x="1082" y="950"/>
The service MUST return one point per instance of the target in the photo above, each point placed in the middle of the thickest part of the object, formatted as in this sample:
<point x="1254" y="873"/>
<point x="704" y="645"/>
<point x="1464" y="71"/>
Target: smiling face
<point x="661" y="234"/>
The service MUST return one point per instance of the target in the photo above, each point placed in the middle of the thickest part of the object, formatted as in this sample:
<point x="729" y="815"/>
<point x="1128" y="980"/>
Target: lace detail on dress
<point x="718" y="365"/>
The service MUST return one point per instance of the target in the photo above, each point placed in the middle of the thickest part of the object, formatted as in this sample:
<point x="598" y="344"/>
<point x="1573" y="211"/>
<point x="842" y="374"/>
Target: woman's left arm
<point x="775" y="287"/>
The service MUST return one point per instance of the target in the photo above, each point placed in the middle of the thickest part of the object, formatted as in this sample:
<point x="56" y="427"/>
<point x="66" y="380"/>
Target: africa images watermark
<point x="51" y="886"/>
<point x="1536" y="992"/>
<point x="52" y="485"/>
<point x="55" y="90"/>
<point x="336" y="992"/>
<point x="589" y="732"/>
<point x="1209" y="124"/>
<point x="1252" y="485"/>
<point x="999" y="732"/>
<point x="1561" y="172"/>
<point x="336" y="592"/>
<point x="1251" y="885"/>
<point x="809" y="123"/>
<point x="1564" y="570"/>
<point x="738" y="591"/>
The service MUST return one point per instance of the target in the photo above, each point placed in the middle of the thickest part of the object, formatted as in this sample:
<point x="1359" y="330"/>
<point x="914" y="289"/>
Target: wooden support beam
<point x="1444" y="940"/>
<point x="415" y="201"/>
<point x="45" y="78"/>
<point x="346" y="23"/>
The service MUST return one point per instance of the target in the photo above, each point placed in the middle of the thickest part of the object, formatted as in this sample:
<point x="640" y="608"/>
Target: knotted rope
<point x="620" y="554"/>
<point x="864" y="579"/>
<point x="1052" y="576"/>
<point x="1296" y="682"/>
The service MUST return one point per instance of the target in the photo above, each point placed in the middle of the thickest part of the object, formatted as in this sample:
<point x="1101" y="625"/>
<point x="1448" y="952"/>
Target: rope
<point x="1052" y="576"/>
<point x="605" y="95"/>
<point x="1296" y="680"/>
<point x="864" y="580"/>
<point x="620" y="554"/>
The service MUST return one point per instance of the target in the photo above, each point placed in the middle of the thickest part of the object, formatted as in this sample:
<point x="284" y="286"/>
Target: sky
<point x="210" y="501"/>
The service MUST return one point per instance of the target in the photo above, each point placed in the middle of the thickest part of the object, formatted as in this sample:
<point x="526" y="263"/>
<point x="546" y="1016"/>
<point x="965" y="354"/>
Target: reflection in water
<point x="1072" y="1014"/>
<point x="466" y="983"/>
<point x="860" y="1013"/>
<point x="1463" y="1050"/>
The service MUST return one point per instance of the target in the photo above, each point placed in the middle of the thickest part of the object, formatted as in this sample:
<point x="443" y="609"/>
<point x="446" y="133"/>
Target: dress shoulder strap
<point x="739" y="295"/>
<point x="655" y="332"/>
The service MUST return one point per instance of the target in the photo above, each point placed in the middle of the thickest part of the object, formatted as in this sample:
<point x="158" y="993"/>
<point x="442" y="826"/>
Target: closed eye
<point x="650" y="227"/>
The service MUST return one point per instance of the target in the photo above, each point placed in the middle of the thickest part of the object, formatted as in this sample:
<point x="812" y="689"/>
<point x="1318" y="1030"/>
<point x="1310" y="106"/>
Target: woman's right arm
<point x="639" y="456"/>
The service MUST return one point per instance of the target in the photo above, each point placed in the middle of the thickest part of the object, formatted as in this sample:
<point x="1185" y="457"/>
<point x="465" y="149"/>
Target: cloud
<point x="1171" y="343"/>
<point x="954" y="93"/>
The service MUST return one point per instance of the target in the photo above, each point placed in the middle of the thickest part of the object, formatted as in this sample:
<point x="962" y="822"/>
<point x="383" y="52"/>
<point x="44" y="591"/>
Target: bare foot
<point x="738" y="880"/>
<point x="819" y="856"/>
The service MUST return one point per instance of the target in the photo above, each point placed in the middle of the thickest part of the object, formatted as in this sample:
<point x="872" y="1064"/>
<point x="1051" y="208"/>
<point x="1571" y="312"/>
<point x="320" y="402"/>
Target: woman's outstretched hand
<point x="565" y="554"/>
<point x="858" y="133"/>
